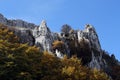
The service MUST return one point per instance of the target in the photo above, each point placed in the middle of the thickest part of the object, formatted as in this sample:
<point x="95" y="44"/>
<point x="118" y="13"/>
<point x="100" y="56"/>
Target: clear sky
<point x="104" y="15"/>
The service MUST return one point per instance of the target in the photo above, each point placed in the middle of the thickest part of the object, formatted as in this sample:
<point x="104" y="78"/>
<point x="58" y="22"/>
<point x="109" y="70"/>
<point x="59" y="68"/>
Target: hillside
<point x="49" y="54"/>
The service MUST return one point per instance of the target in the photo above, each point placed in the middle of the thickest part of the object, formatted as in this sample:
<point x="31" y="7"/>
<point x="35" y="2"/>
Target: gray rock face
<point x="97" y="62"/>
<point x="91" y="36"/>
<point x="21" y="28"/>
<point x="3" y="20"/>
<point x="43" y="37"/>
<point x="25" y="35"/>
<point x="16" y="23"/>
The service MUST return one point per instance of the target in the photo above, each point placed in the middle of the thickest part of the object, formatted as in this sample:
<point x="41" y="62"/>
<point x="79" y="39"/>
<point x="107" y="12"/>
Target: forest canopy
<point x="23" y="62"/>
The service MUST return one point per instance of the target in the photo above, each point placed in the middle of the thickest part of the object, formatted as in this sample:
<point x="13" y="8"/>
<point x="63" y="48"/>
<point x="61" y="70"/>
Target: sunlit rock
<point x="43" y="36"/>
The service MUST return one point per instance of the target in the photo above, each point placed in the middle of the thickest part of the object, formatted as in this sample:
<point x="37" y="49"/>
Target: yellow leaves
<point x="23" y="73"/>
<point x="12" y="49"/>
<point x="3" y="33"/>
<point x="48" y="54"/>
<point x="6" y="34"/>
<point x="68" y="70"/>
<point x="24" y="76"/>
<point x="73" y="68"/>
<point x="64" y="58"/>
<point x="76" y="60"/>
<point x="26" y="63"/>
<point x="8" y="64"/>
<point x="32" y="49"/>
<point x="58" y="44"/>
<point x="10" y="56"/>
<point x="97" y="75"/>
<point x="48" y="58"/>
<point x="71" y="61"/>
<point x="10" y="33"/>
<point x="21" y="47"/>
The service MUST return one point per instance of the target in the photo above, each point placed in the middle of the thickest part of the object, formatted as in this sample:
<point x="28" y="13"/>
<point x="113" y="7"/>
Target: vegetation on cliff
<point x="23" y="62"/>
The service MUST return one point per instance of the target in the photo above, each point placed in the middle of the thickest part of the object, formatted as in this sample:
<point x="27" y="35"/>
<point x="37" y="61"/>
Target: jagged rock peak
<point x="89" y="28"/>
<point x="42" y="30"/>
<point x="43" y="27"/>
<point x="43" y="22"/>
<point x="90" y="34"/>
<point x="43" y="36"/>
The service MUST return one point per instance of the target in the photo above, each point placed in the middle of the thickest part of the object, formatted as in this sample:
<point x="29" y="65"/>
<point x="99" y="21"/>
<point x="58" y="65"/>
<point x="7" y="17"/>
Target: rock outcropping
<point x="25" y="35"/>
<point x="82" y="43"/>
<point x="21" y="28"/>
<point x="43" y="37"/>
<point x="90" y="35"/>
<point x="18" y="23"/>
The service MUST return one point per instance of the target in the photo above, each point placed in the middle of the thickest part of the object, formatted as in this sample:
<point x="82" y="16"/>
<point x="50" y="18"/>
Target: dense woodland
<point x="23" y="62"/>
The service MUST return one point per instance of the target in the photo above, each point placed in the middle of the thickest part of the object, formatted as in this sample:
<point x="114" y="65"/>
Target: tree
<point x="50" y="67"/>
<point x="7" y="34"/>
<point x="58" y="45"/>
<point x="16" y="59"/>
<point x="66" y="28"/>
<point x="115" y="72"/>
<point x="23" y="62"/>
<point x="95" y="74"/>
<point x="73" y="70"/>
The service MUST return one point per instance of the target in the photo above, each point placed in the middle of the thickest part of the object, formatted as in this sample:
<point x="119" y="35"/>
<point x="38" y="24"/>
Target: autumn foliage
<point x="23" y="62"/>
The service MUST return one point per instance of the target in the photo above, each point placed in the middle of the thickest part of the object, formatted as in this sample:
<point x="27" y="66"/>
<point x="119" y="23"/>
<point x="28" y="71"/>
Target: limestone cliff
<point x="82" y="43"/>
<point x="43" y="37"/>
<point x="17" y="22"/>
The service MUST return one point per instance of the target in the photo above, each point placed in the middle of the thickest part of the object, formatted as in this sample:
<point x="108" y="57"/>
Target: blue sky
<point x="104" y="15"/>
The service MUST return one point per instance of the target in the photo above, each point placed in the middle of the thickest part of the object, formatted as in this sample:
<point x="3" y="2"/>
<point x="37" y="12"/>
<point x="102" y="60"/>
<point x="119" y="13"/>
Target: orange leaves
<point x="58" y="44"/>
<point x="6" y="34"/>
<point x="68" y="70"/>
<point x="74" y="61"/>
<point x="98" y="75"/>
<point x="32" y="50"/>
<point x="73" y="69"/>
<point x="24" y="62"/>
